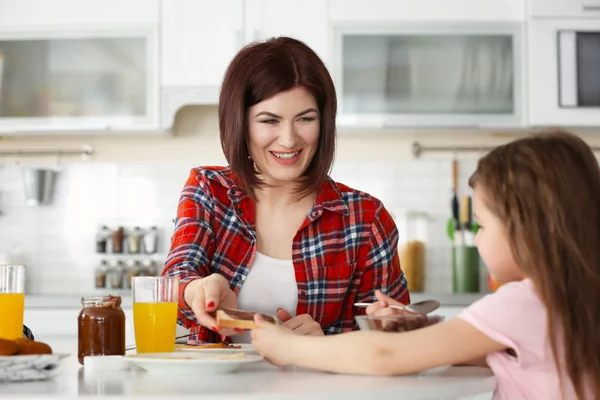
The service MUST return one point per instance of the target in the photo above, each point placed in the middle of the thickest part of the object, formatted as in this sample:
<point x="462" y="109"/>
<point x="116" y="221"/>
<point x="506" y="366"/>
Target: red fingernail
<point x="215" y="328"/>
<point x="239" y="330"/>
<point x="211" y="304"/>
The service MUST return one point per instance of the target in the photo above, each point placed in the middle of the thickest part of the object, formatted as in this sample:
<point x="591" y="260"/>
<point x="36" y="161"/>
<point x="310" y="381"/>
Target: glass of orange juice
<point x="155" y="313"/>
<point x="12" y="301"/>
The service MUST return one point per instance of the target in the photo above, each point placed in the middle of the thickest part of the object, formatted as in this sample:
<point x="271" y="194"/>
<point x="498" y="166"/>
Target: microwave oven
<point x="564" y="72"/>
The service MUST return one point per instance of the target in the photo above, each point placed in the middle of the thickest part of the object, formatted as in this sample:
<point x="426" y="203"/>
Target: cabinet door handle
<point x="591" y="7"/>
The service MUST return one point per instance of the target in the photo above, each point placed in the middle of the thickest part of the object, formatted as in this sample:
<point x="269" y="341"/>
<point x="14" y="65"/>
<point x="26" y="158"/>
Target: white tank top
<point x="270" y="284"/>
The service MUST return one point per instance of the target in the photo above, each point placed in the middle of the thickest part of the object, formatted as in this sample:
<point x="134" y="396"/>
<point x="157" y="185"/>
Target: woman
<point x="272" y="232"/>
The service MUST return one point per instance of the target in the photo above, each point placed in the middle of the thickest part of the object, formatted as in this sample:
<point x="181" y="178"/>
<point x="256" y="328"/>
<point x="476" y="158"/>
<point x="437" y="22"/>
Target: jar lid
<point x="101" y="301"/>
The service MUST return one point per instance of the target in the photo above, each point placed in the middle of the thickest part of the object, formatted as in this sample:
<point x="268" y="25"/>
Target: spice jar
<point x="118" y="236"/>
<point x="100" y="273"/>
<point x="102" y="239"/>
<point x="134" y="240"/>
<point x="148" y="268"/>
<point x="133" y="269"/>
<point x="116" y="273"/>
<point x="151" y="240"/>
<point x="101" y="327"/>
<point x="412" y="230"/>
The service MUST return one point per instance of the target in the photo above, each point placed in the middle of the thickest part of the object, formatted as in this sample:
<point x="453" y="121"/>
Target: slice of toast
<point x="231" y="318"/>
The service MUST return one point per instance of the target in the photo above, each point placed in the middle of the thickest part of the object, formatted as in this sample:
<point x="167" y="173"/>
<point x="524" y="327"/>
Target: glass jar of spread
<point x="101" y="327"/>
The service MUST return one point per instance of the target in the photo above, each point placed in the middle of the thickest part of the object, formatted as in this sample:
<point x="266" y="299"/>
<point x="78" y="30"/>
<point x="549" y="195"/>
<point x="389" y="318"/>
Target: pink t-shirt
<point x="516" y="317"/>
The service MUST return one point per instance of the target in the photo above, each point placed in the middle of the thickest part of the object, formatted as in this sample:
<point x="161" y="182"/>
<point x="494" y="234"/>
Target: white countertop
<point x="255" y="381"/>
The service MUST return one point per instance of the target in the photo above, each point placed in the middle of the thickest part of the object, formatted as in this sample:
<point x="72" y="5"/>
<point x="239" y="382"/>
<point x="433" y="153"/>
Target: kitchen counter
<point x="74" y="301"/>
<point x="255" y="381"/>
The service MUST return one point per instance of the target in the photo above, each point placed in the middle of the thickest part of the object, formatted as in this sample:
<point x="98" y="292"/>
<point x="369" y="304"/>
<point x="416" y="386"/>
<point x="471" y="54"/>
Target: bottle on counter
<point x="151" y="240"/>
<point x="101" y="327"/>
<point x="102" y="239"/>
<point x="412" y="230"/>
<point x="134" y="240"/>
<point x="118" y="236"/>
<point x="100" y="275"/>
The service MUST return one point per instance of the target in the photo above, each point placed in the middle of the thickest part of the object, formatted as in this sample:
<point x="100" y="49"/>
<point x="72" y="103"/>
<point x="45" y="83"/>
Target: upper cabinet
<point x="427" y="10"/>
<point x="408" y="75"/>
<point x="80" y="71"/>
<point x="428" y="63"/>
<point x="200" y="38"/>
<point x="131" y="65"/>
<point x="52" y="15"/>
<point x="564" y="8"/>
<point x="306" y="20"/>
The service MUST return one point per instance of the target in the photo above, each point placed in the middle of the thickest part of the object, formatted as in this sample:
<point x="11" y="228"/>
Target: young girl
<point x="537" y="201"/>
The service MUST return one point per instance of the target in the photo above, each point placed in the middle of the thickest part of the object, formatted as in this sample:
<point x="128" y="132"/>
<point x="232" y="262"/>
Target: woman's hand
<point x="381" y="307"/>
<point x="301" y="325"/>
<point x="205" y="295"/>
<point x="275" y="343"/>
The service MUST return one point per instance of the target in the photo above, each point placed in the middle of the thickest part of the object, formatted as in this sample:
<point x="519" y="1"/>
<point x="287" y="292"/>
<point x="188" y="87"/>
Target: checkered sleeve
<point x="192" y="244"/>
<point x="382" y="266"/>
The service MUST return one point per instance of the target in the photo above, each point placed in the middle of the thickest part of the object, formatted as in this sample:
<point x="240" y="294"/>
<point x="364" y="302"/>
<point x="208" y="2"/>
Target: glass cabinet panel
<point x="457" y="75"/>
<point x="75" y="79"/>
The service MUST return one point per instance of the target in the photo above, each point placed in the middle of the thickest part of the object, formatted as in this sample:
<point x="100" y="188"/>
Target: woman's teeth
<point x="286" y="155"/>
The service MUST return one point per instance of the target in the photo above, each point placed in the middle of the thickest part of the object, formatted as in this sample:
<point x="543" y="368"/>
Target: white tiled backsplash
<point x="57" y="242"/>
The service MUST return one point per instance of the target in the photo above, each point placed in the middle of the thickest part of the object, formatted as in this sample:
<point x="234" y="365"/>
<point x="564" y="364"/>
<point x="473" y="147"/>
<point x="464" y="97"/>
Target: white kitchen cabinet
<point x="564" y="8"/>
<point x="79" y="80"/>
<point x="307" y="21"/>
<point x="52" y="15"/>
<point x="427" y="10"/>
<point x="429" y="74"/>
<point x="78" y="66"/>
<point x="198" y="40"/>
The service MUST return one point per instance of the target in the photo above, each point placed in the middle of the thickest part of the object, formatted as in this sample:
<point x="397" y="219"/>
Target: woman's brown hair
<point x="546" y="190"/>
<point x="258" y="72"/>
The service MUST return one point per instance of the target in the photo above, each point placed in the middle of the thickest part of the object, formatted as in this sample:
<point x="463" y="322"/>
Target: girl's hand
<point x="381" y="307"/>
<point x="301" y="324"/>
<point x="275" y="343"/>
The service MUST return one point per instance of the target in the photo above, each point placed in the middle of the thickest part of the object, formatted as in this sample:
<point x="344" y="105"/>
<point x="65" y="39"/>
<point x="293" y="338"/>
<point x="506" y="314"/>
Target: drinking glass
<point x="155" y="313"/>
<point x="12" y="301"/>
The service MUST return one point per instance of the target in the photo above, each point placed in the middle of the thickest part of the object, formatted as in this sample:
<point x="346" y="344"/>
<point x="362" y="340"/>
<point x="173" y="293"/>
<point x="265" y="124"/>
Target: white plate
<point x="29" y="367"/>
<point x="245" y="347"/>
<point x="205" y="362"/>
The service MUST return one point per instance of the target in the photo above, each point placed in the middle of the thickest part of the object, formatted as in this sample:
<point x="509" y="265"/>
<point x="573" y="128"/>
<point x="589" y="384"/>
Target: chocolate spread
<point x="101" y="326"/>
<point x="247" y="315"/>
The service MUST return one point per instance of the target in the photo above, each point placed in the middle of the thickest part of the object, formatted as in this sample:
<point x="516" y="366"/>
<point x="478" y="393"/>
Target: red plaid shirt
<point x="345" y="249"/>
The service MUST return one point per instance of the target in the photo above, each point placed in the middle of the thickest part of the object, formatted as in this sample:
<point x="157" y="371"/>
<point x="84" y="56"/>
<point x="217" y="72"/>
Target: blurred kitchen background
<point x="106" y="105"/>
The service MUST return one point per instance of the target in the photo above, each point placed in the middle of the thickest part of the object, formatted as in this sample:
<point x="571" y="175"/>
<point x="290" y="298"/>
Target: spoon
<point x="422" y="307"/>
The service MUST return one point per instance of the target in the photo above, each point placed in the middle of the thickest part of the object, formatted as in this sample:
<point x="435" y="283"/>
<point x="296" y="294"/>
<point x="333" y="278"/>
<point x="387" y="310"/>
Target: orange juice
<point x="11" y="315"/>
<point x="154" y="325"/>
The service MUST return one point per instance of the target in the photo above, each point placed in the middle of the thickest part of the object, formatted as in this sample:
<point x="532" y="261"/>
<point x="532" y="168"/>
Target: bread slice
<point x="230" y="318"/>
<point x="202" y="346"/>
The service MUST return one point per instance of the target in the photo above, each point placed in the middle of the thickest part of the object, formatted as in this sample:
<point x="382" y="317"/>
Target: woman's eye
<point x="269" y="121"/>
